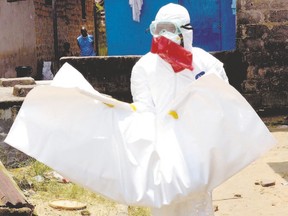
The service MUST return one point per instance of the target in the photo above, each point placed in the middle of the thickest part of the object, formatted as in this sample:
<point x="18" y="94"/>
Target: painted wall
<point x="18" y="39"/>
<point x="213" y="22"/>
<point x="125" y="36"/>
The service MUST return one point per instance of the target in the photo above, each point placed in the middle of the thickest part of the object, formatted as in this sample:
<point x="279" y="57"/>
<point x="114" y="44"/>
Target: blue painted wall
<point x="212" y="20"/>
<point x="125" y="36"/>
<point x="228" y="25"/>
<point x="206" y="20"/>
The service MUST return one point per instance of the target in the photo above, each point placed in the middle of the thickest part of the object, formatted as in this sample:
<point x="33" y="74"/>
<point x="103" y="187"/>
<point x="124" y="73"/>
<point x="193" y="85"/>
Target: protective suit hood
<point x="180" y="16"/>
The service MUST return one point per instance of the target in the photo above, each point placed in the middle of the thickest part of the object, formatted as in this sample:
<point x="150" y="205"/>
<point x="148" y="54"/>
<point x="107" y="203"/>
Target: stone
<point x="250" y="86"/>
<point x="278" y="16"/>
<point x="85" y="213"/>
<point x="22" y="90"/>
<point x="237" y="196"/>
<point x="256" y="31"/>
<point x="267" y="183"/>
<point x="10" y="82"/>
<point x="273" y="99"/>
<point x="216" y="208"/>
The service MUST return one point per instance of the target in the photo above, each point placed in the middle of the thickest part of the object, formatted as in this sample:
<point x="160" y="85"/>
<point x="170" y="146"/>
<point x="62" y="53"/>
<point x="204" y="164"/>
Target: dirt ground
<point x="241" y="195"/>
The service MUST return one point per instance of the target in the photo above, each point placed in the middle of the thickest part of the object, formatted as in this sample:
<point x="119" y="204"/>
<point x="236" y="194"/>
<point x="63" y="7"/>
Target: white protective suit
<point x="155" y="86"/>
<point x="177" y="142"/>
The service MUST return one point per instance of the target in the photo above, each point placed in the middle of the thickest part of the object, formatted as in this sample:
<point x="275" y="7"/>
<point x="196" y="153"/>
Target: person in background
<point x="66" y="51"/>
<point x="86" y="43"/>
<point x="161" y="76"/>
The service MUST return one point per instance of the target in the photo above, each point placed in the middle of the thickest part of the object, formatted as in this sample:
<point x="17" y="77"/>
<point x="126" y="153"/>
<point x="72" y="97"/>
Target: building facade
<point x="258" y="67"/>
<point x="28" y="31"/>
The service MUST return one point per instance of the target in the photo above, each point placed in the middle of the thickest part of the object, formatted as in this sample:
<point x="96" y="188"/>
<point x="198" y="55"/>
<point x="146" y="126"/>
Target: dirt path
<point x="242" y="195"/>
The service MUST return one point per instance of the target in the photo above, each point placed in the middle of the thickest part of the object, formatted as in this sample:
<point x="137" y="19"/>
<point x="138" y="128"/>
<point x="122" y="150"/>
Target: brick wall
<point x="69" y="22"/>
<point x="44" y="30"/>
<point x="262" y="29"/>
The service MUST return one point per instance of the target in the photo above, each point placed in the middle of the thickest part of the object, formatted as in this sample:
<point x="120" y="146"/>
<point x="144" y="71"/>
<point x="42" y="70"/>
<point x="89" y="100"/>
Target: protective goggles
<point x="158" y="28"/>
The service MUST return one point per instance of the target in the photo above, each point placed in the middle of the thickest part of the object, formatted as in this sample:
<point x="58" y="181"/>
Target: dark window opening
<point x="83" y="4"/>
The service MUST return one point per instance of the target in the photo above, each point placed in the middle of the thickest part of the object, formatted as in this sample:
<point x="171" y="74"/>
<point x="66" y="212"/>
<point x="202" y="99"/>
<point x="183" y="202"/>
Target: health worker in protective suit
<point x="162" y="75"/>
<point x="159" y="76"/>
<point x="186" y="132"/>
<point x="173" y="63"/>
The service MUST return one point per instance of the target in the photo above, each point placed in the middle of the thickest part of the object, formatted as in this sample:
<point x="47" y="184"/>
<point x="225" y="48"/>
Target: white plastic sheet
<point x="140" y="158"/>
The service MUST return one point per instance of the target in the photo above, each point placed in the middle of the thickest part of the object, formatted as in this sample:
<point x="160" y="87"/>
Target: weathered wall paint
<point x="27" y="32"/>
<point x="18" y="38"/>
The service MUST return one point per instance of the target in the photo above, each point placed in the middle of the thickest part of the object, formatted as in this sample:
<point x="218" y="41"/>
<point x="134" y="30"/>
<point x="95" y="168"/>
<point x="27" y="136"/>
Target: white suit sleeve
<point x="209" y="63"/>
<point x="140" y="90"/>
<point x="219" y="70"/>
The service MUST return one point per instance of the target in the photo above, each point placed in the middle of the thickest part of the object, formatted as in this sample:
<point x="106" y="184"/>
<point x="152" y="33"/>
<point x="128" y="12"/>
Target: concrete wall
<point x="107" y="74"/>
<point x="18" y="39"/>
<point x="111" y="74"/>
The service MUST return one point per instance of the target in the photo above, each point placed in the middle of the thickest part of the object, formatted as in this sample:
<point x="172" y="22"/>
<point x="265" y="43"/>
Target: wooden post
<point x="55" y="30"/>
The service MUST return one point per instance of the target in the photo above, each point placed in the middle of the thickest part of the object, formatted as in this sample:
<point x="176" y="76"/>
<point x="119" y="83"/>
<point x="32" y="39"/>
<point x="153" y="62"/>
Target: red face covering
<point x="178" y="57"/>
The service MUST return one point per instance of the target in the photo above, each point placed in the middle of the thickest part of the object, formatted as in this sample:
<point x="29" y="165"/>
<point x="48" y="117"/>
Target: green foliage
<point x="38" y="168"/>
<point x="138" y="211"/>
